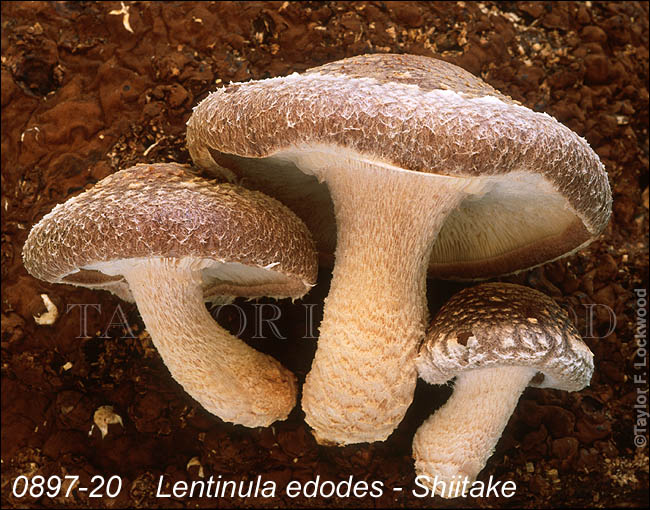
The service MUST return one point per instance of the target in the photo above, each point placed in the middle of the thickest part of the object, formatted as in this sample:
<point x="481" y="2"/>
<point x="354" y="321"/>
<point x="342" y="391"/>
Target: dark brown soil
<point x="83" y="97"/>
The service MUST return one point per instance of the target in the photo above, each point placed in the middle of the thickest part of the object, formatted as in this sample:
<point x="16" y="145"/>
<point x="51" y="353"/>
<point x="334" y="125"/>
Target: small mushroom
<point x="496" y="339"/>
<point x="427" y="167"/>
<point x="168" y="240"/>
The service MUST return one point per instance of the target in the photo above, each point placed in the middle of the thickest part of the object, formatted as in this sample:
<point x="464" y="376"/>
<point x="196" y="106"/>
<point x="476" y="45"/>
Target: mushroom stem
<point x="363" y="375"/>
<point x="459" y="438"/>
<point x="227" y="377"/>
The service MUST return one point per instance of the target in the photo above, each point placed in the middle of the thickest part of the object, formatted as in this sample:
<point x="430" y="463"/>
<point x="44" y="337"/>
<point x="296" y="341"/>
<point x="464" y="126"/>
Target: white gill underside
<point x="499" y="213"/>
<point x="212" y="271"/>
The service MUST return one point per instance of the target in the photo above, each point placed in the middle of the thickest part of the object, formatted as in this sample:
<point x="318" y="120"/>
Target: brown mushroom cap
<point x="497" y="338"/>
<point x="427" y="167"/>
<point x="166" y="239"/>
<point x="501" y="324"/>
<point x="545" y="192"/>
<point x="252" y="245"/>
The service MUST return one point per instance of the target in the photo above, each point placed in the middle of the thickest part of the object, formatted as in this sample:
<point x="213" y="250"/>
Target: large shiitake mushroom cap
<point x="546" y="192"/>
<point x="427" y="168"/>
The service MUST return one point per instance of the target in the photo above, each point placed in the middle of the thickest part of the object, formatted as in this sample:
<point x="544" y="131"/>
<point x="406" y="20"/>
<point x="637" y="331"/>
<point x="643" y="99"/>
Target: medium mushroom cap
<point x="541" y="192"/>
<point x="501" y="324"/>
<point x="248" y="243"/>
<point x="168" y="240"/>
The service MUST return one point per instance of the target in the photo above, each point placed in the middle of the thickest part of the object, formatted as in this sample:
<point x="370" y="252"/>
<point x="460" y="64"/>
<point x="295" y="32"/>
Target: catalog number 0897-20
<point x="53" y="486"/>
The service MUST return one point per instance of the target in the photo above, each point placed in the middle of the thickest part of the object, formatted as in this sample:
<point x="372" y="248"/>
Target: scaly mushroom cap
<point x="427" y="167"/>
<point x="497" y="338"/>
<point x="501" y="324"/>
<point x="253" y="246"/>
<point x="545" y="191"/>
<point x="166" y="239"/>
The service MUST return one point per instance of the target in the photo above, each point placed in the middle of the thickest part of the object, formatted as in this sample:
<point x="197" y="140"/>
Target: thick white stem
<point x="459" y="438"/>
<point x="363" y="375"/>
<point x="227" y="377"/>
